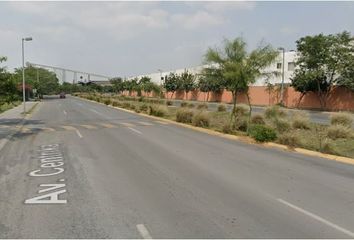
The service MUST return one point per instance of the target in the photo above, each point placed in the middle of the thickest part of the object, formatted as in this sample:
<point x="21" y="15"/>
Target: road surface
<point x="83" y="170"/>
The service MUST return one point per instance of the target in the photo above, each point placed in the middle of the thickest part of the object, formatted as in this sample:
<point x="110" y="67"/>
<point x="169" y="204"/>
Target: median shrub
<point x="289" y="139"/>
<point x="241" y="124"/>
<point x="190" y="105"/>
<point x="184" y="104"/>
<point x="107" y="101"/>
<point x="227" y="128"/>
<point x="202" y="106"/>
<point x="338" y="131"/>
<point x="282" y="125"/>
<point x="126" y="105"/>
<point x="201" y="119"/>
<point x="184" y="115"/>
<point x="344" y="119"/>
<point x="158" y="110"/>
<point x="240" y="111"/>
<point x="221" y="108"/>
<point x="257" y="119"/>
<point x="273" y="112"/>
<point x="262" y="133"/>
<point x="115" y="103"/>
<point x="144" y="108"/>
<point x="301" y="121"/>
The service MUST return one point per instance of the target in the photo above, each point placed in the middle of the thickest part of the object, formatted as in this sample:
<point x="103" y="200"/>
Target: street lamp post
<point x="160" y="75"/>
<point x="23" y="72"/>
<point x="282" y="77"/>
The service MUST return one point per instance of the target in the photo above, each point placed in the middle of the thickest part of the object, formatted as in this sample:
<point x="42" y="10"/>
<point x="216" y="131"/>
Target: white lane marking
<point x="78" y="133"/>
<point x="318" y="218"/>
<point x="133" y="129"/>
<point x="65" y="112"/>
<point x="146" y="123"/>
<point x="143" y="231"/>
<point x="93" y="110"/>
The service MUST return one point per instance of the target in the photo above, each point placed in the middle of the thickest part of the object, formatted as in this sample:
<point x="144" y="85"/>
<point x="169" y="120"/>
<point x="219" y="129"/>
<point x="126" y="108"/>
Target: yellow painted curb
<point x="241" y="138"/>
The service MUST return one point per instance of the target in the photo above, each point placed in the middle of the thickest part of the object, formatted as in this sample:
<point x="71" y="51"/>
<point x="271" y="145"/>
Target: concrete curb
<point x="244" y="139"/>
<point x="19" y="126"/>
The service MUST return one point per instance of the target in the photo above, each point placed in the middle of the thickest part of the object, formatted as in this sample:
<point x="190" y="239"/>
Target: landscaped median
<point x="276" y="126"/>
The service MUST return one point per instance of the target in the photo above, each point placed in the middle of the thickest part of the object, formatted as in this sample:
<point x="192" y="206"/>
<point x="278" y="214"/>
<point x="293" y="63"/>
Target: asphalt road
<point x="83" y="170"/>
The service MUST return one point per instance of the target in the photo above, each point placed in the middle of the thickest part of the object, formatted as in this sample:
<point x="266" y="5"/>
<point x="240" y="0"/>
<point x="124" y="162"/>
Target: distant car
<point x="62" y="95"/>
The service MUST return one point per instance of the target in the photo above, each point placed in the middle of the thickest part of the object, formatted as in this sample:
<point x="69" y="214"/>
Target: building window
<point x="278" y="65"/>
<point x="291" y="66"/>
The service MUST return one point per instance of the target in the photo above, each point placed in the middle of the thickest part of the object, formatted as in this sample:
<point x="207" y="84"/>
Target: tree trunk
<point x="301" y="97"/>
<point x="234" y="99"/>
<point x="250" y="107"/>
<point x="208" y="96"/>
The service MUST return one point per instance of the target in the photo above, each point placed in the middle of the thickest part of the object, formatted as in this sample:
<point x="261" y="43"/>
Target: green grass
<point x="7" y="106"/>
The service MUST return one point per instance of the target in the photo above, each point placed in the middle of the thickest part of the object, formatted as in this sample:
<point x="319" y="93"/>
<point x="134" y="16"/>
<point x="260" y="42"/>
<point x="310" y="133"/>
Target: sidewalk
<point x="11" y="121"/>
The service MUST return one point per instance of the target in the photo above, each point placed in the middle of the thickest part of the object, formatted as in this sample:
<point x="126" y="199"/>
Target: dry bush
<point x="257" y="119"/>
<point x="339" y="131"/>
<point x="184" y="115"/>
<point x="202" y="106"/>
<point x="301" y="121"/>
<point x="282" y="125"/>
<point x="201" y="119"/>
<point x="274" y="112"/>
<point x="342" y="118"/>
<point x="289" y="139"/>
<point x="190" y="105"/>
<point x="184" y="104"/>
<point x="221" y="108"/>
<point x="144" y="108"/>
<point x="158" y="110"/>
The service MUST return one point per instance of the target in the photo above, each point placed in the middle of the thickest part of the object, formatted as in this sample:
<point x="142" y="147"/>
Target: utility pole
<point x="282" y="77"/>
<point x="23" y="73"/>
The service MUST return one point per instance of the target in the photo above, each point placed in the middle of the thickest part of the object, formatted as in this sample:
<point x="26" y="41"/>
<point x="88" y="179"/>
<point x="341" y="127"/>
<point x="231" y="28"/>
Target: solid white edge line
<point x="318" y="218"/>
<point x="133" y="129"/>
<point x="143" y="231"/>
<point x="78" y="133"/>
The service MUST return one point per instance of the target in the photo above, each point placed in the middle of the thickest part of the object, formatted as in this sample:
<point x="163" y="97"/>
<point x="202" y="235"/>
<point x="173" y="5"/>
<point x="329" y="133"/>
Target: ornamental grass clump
<point x="201" y="119"/>
<point x="184" y="115"/>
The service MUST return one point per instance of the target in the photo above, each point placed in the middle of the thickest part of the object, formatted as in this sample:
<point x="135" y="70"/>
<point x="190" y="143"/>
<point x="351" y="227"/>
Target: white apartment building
<point x="289" y="66"/>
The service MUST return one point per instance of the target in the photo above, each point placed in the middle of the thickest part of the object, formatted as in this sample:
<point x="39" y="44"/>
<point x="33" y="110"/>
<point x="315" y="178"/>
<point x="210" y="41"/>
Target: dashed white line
<point x="318" y="218"/>
<point x="134" y="130"/>
<point x="65" y="112"/>
<point x="78" y="133"/>
<point x="143" y="231"/>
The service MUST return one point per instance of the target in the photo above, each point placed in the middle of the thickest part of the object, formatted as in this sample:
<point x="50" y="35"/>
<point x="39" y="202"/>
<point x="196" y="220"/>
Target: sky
<point x="132" y="38"/>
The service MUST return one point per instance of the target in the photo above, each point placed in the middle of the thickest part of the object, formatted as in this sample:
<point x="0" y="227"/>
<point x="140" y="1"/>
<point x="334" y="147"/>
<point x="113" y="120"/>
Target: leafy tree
<point x="117" y="83"/>
<point x="211" y="80"/>
<point x="46" y="82"/>
<point x="172" y="83"/>
<point x="8" y="91"/>
<point x="239" y="68"/>
<point x="187" y="82"/>
<point x="324" y="62"/>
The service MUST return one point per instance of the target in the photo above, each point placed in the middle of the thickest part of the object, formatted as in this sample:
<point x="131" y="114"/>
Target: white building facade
<point x="277" y="66"/>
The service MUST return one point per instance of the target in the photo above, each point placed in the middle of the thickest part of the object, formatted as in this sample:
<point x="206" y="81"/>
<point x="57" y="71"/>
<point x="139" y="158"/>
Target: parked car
<point x="62" y="95"/>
